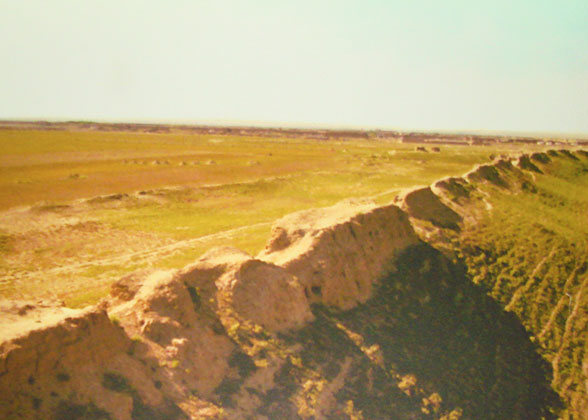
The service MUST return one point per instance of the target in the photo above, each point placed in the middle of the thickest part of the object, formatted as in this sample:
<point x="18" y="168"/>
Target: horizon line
<point x="269" y="124"/>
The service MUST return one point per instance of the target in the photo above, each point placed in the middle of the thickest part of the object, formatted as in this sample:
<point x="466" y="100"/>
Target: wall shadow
<point x="430" y="320"/>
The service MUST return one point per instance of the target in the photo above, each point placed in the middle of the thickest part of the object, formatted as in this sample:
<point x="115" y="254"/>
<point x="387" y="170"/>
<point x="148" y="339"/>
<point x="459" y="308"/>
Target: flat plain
<point x="80" y="209"/>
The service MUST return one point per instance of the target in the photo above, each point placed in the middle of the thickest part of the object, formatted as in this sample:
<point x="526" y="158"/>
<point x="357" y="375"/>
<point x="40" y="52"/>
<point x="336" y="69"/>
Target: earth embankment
<point x="347" y="313"/>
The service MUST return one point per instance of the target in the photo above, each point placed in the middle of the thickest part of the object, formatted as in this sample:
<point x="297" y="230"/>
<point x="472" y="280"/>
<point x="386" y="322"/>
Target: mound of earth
<point x="455" y="189"/>
<point x="487" y="173"/>
<point x="255" y="290"/>
<point x="63" y="369"/>
<point x="540" y="157"/>
<point x="525" y="162"/>
<point x="339" y="252"/>
<point x="423" y="204"/>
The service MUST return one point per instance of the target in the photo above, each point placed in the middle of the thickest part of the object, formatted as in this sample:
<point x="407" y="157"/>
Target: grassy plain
<point x="80" y="209"/>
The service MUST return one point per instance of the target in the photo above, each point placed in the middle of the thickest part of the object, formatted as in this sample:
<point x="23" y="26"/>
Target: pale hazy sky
<point x="464" y="65"/>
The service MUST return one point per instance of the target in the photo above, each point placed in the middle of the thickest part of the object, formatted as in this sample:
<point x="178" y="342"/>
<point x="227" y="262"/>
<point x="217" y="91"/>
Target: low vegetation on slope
<point x="529" y="252"/>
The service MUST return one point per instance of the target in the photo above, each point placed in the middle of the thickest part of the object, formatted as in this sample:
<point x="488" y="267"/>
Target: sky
<point x="453" y="65"/>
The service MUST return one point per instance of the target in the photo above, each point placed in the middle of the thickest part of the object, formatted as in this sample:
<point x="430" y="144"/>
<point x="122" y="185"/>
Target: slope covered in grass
<point x="529" y="252"/>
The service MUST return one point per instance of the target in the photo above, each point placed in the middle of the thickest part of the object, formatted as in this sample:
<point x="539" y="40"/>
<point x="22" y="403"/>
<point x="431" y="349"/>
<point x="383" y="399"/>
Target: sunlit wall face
<point x="492" y="65"/>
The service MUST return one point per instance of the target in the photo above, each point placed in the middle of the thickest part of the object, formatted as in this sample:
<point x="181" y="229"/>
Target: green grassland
<point x="80" y="209"/>
<point x="81" y="200"/>
<point x="60" y="166"/>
